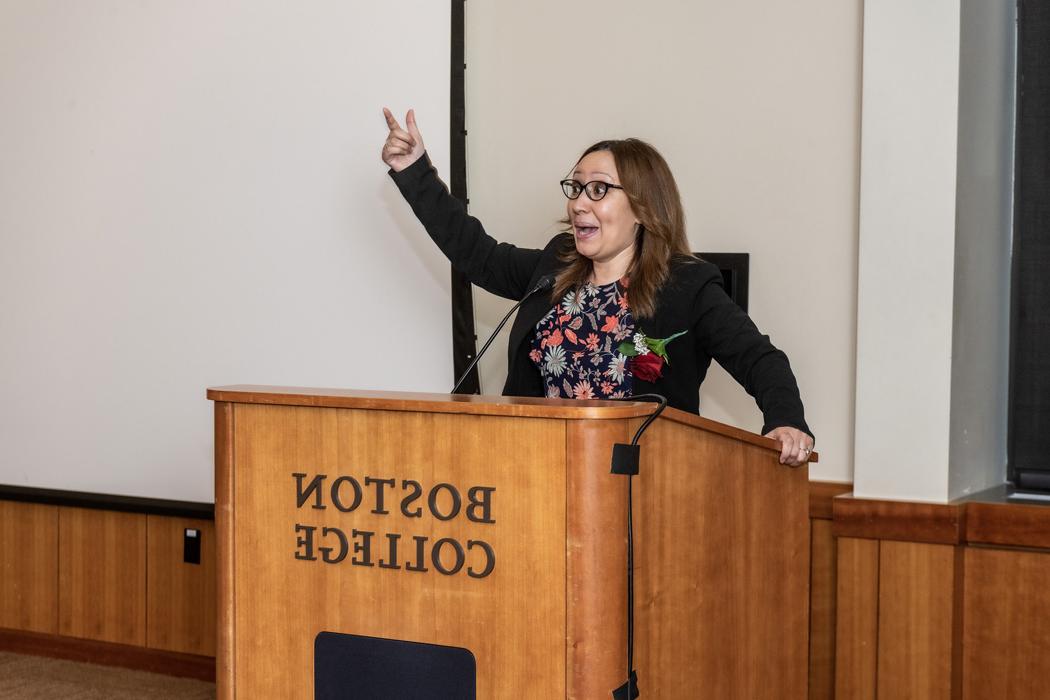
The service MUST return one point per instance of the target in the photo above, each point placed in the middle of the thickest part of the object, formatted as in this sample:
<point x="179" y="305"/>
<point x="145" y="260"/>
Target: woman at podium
<point x="616" y="305"/>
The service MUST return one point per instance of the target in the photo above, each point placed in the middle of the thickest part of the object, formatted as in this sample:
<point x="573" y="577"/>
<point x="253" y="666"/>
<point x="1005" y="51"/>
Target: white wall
<point x="191" y="195"/>
<point x="755" y="105"/>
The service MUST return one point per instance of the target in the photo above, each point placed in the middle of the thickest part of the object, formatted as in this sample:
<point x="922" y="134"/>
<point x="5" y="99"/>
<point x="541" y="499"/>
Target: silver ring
<point x="805" y="449"/>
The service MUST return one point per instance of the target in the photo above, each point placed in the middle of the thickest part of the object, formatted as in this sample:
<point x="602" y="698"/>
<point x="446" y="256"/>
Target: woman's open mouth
<point x="584" y="232"/>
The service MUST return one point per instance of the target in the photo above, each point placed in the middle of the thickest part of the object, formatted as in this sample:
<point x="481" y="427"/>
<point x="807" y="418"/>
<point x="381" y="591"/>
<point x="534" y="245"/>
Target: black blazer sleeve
<point x="500" y="268"/>
<point x="731" y="337"/>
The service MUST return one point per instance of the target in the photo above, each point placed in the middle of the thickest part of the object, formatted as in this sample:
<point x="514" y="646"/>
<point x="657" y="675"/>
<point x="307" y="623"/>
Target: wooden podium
<point x="494" y="525"/>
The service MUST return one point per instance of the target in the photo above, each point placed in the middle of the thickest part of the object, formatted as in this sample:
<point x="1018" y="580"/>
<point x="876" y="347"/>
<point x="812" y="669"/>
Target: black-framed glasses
<point x="595" y="189"/>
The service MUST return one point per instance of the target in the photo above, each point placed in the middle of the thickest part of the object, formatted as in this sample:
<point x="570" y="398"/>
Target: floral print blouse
<point x="575" y="346"/>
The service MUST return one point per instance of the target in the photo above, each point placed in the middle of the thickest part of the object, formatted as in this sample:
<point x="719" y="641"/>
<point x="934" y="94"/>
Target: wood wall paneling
<point x="916" y="618"/>
<point x="857" y="619"/>
<point x="936" y="523"/>
<point x="1009" y="524"/>
<point x="822" y="495"/>
<point x="56" y="646"/>
<point x="180" y="596"/>
<point x="882" y="622"/>
<point x="102" y="575"/>
<point x="28" y="566"/>
<point x="822" y="581"/>
<point x="1006" y="624"/>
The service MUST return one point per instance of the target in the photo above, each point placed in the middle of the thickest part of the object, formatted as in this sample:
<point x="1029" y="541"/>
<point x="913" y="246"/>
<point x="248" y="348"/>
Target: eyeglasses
<point x="595" y="189"/>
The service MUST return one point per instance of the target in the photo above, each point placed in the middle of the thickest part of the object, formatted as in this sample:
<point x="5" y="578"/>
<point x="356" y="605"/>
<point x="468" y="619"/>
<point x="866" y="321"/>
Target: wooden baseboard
<point x="904" y="521"/>
<point x="108" y="654"/>
<point x="821" y="496"/>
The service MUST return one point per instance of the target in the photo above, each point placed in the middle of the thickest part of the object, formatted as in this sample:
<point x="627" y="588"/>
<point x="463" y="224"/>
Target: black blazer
<point x="692" y="299"/>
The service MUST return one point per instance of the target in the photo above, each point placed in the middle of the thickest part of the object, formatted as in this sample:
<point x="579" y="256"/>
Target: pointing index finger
<point x="390" y="121"/>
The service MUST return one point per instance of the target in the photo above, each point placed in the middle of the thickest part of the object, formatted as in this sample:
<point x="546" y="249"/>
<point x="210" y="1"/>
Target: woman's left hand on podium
<point x="795" y="445"/>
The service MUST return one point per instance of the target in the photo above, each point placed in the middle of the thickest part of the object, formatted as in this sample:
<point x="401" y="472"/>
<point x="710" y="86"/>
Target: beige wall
<point x="757" y="108"/>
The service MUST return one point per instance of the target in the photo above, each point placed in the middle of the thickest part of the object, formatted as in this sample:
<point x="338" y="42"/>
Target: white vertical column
<point x="923" y="359"/>
<point x="906" y="252"/>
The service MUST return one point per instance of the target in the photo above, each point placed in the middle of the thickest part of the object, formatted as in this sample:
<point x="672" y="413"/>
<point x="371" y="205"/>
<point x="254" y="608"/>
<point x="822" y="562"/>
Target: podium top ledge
<point x="515" y="406"/>
<point x="472" y="404"/>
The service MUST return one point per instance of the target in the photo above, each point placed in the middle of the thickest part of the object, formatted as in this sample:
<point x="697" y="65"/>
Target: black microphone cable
<point x="625" y="461"/>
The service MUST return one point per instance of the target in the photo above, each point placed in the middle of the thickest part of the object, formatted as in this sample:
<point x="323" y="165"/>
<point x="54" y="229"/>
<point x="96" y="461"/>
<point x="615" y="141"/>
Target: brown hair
<point x="653" y="195"/>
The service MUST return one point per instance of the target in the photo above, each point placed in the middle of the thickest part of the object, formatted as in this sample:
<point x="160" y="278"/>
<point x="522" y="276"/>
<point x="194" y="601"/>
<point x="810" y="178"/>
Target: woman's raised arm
<point x="500" y="268"/>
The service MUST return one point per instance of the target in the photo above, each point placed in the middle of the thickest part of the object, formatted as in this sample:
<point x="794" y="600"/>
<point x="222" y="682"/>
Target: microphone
<point x="542" y="284"/>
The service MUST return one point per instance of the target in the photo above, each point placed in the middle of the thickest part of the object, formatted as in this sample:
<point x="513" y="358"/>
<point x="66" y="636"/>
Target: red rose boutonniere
<point x="648" y="355"/>
<point x="647" y="367"/>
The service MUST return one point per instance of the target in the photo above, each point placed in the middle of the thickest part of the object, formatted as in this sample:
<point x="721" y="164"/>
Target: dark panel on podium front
<point x="369" y="668"/>
<point x="1029" y="405"/>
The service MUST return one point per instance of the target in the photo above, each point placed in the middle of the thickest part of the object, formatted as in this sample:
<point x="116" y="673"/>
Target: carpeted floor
<point x="38" y="678"/>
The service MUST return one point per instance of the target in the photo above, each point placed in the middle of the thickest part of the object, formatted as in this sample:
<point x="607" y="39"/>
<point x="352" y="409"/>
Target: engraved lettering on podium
<point x="404" y="500"/>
